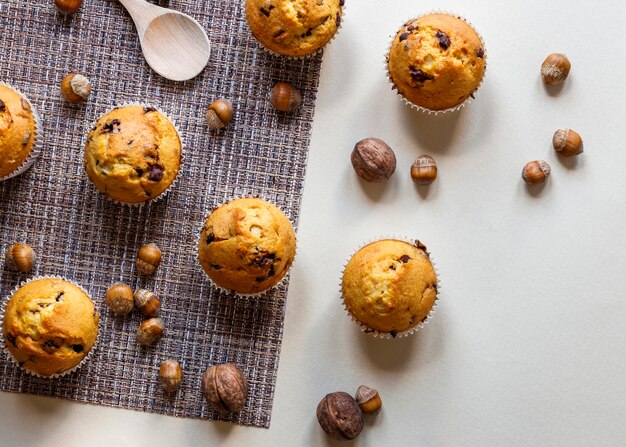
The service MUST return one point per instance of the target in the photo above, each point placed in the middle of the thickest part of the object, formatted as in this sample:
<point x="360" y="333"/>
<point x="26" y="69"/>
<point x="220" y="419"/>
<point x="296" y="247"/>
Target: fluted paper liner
<point x="37" y="140"/>
<point x="3" y="307"/>
<point x="182" y="154"/>
<point x="387" y="335"/>
<point x="234" y="292"/>
<point x="469" y="99"/>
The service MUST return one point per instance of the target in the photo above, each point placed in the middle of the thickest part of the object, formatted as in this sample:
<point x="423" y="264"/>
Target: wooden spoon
<point x="174" y="44"/>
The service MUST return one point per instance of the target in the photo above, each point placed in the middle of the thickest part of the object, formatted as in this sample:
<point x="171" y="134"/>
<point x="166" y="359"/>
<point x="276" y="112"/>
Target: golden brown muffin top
<point x="133" y="154"/>
<point x="294" y="27"/>
<point x="49" y="326"/>
<point x="390" y="285"/>
<point x="247" y="245"/>
<point x="436" y="61"/>
<point x="17" y="130"/>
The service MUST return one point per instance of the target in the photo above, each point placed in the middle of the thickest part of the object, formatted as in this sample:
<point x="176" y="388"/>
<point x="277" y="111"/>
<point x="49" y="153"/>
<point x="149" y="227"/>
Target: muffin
<point x="132" y="154"/>
<point x="390" y="286"/>
<point x="436" y="61"/>
<point x="49" y="326"/>
<point x="294" y="27"/>
<point x="247" y="245"/>
<point x="18" y="133"/>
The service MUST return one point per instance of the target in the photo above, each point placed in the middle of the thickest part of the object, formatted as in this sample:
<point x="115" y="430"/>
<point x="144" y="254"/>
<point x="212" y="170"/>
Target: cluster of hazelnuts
<point x="341" y="415"/>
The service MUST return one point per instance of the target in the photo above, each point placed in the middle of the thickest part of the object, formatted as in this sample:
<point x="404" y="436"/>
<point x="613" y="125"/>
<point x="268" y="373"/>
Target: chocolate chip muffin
<point x="133" y="154"/>
<point x="17" y="131"/>
<point x="247" y="245"/>
<point x="294" y="27"/>
<point x="436" y="61"/>
<point x="49" y="326"/>
<point x="390" y="286"/>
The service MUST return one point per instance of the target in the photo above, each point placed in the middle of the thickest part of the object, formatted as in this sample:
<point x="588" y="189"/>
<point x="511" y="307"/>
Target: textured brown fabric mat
<point x="82" y="236"/>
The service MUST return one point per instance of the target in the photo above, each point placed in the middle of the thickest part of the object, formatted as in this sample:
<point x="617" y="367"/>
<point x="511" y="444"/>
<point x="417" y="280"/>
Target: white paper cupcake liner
<point x="387" y="335"/>
<point x="37" y="141"/>
<point x="3" y="307"/>
<point x="306" y="56"/>
<point x="234" y="292"/>
<point x="182" y="155"/>
<point x="469" y="99"/>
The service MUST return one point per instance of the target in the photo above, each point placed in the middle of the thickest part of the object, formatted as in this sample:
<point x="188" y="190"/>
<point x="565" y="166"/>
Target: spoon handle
<point x="142" y="13"/>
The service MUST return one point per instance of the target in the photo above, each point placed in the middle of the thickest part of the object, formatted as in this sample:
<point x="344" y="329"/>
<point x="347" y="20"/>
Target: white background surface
<point x="528" y="345"/>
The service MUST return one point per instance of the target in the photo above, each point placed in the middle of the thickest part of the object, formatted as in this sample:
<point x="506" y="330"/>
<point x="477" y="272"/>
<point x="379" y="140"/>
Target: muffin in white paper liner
<point x="388" y="335"/>
<point x="3" y="307"/>
<point x="37" y="139"/>
<point x="182" y="154"/>
<point x="469" y="99"/>
<point x="206" y="215"/>
<point x="304" y="56"/>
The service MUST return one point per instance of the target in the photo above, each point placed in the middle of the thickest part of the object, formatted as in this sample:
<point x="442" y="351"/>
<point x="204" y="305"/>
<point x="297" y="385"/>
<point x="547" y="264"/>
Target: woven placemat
<point x="82" y="236"/>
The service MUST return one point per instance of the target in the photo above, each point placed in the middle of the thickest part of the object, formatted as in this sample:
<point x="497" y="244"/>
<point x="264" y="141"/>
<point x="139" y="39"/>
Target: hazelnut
<point x="148" y="259"/>
<point x="68" y="6"/>
<point x="119" y="298"/>
<point x="285" y="97"/>
<point x="555" y="69"/>
<point x="424" y="170"/>
<point x="224" y="387"/>
<point x="219" y="114"/>
<point x="150" y="331"/>
<point x="170" y="375"/>
<point x="536" y="171"/>
<point x="75" y="88"/>
<point x="567" y="142"/>
<point x="373" y="160"/>
<point x="21" y="258"/>
<point x="340" y="416"/>
<point x="368" y="399"/>
<point x="147" y="302"/>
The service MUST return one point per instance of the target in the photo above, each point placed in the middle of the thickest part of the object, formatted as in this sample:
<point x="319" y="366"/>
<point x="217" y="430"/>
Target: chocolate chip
<point x="139" y="172"/>
<point x="480" y="53"/>
<point x="2" y="106"/>
<point x="26" y="139"/>
<point x="392" y="267"/>
<point x="111" y="127"/>
<point x="51" y="345"/>
<point x="78" y="348"/>
<point x="130" y="142"/>
<point x="156" y="173"/>
<point x="279" y="33"/>
<point x="58" y="297"/>
<point x="444" y="40"/>
<point x="210" y="238"/>
<point x="404" y="259"/>
<point x="419" y="76"/>
<point x="309" y="32"/>
<point x="264" y="260"/>
<point x="342" y="2"/>
<point x="404" y="36"/>
<point x="12" y="340"/>
<point x="148" y="110"/>
<point x="216" y="266"/>
<point x="411" y="28"/>
<point x="264" y="11"/>
<point x="338" y="19"/>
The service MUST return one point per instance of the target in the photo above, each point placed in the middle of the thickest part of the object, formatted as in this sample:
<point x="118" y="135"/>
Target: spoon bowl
<point x="174" y="44"/>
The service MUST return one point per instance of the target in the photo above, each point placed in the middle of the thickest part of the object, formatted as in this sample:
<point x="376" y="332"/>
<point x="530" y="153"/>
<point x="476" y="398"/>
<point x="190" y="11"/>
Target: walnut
<point x="224" y="387"/>
<point x="373" y="160"/>
<point x="340" y="416"/>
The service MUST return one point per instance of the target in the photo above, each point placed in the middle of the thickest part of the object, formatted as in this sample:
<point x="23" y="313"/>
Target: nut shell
<point x="219" y="114"/>
<point x="150" y="331"/>
<point x="170" y="375"/>
<point x="224" y="387"/>
<point x="340" y="416"/>
<point x="536" y="171"/>
<point x="555" y="69"/>
<point x="424" y="170"/>
<point x="567" y="142"/>
<point x="368" y="399"/>
<point x="119" y="298"/>
<point x="285" y="97"/>
<point x="21" y="258"/>
<point x="373" y="160"/>
<point x="148" y="259"/>
<point x="75" y="88"/>
<point x="147" y="302"/>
